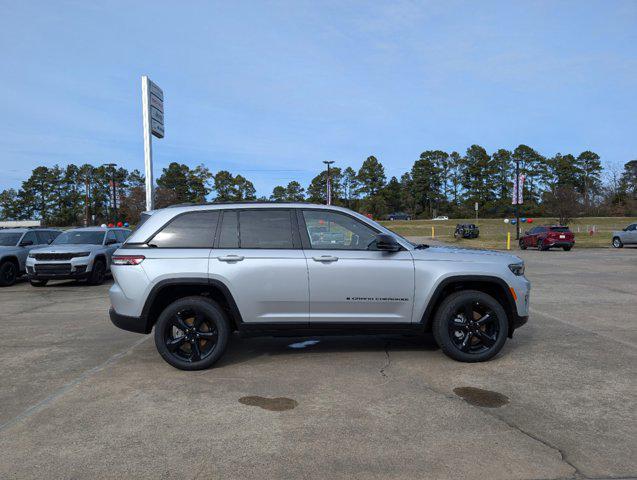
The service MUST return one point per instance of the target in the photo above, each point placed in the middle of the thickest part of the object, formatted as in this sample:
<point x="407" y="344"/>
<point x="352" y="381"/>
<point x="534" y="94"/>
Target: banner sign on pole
<point x="518" y="193"/>
<point x="153" y="121"/>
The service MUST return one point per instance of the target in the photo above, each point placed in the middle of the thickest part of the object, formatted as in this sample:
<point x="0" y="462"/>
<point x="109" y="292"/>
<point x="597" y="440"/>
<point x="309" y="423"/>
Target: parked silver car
<point x="81" y="253"/>
<point x="196" y="273"/>
<point x="15" y="244"/>
<point x="627" y="236"/>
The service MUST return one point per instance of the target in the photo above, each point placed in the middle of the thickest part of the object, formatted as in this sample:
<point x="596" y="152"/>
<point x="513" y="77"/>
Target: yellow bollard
<point x="508" y="240"/>
<point x="433" y="232"/>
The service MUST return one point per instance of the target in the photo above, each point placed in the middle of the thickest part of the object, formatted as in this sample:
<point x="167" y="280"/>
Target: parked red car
<point x="548" y="236"/>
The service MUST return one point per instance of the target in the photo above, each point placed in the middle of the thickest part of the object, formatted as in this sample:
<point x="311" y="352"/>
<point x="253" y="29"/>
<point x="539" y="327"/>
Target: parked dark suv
<point x="548" y="236"/>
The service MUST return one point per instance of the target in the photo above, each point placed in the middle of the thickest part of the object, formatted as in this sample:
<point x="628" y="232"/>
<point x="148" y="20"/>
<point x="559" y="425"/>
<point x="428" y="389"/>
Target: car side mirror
<point x="387" y="243"/>
<point x="111" y="241"/>
<point x="26" y="243"/>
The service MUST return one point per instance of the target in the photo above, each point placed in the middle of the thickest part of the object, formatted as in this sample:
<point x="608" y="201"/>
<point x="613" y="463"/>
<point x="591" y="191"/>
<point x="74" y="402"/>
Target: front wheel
<point x="98" y="274"/>
<point x="192" y="333"/>
<point x="8" y="273"/>
<point x="522" y="245"/>
<point x="617" y="243"/>
<point x="470" y="326"/>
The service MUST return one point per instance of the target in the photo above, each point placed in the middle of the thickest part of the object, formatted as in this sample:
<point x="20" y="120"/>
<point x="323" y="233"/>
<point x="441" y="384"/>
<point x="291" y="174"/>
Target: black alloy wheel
<point x="191" y="333"/>
<point x="470" y="326"/>
<point x="617" y="243"/>
<point x="522" y="245"/>
<point x="8" y="273"/>
<point x="98" y="273"/>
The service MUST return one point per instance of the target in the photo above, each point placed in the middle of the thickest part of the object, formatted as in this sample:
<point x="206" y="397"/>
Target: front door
<point x="350" y="280"/>
<point x="258" y="256"/>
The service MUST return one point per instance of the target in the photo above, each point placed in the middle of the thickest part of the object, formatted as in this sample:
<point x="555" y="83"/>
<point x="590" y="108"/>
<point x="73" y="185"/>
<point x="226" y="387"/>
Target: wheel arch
<point x="167" y="291"/>
<point x="11" y="258"/>
<point x="494" y="286"/>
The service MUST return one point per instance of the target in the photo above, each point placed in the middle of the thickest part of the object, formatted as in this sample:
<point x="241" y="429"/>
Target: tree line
<point x="438" y="183"/>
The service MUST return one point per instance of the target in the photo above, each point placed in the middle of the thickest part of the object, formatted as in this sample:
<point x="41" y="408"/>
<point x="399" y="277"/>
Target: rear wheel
<point x="192" y="333"/>
<point x="470" y="326"/>
<point x="617" y="243"/>
<point x="8" y="273"/>
<point x="38" y="283"/>
<point x="567" y="249"/>
<point x="98" y="273"/>
<point x="522" y="245"/>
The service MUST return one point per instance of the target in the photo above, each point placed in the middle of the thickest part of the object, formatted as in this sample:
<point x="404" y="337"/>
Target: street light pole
<point x="329" y="181"/>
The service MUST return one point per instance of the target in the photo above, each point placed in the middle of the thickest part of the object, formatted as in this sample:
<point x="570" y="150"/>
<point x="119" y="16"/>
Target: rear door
<point x="258" y="256"/>
<point x="350" y="280"/>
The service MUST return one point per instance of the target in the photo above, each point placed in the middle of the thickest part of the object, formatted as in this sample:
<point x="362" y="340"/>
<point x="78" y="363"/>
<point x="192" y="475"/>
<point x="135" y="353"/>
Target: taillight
<point x="127" y="259"/>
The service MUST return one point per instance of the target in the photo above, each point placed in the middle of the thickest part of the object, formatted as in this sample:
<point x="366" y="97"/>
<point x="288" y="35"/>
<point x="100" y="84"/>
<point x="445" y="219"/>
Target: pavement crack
<point x="387" y="360"/>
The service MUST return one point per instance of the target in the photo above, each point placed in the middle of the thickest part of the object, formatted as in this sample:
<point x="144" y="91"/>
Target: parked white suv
<point x="197" y="273"/>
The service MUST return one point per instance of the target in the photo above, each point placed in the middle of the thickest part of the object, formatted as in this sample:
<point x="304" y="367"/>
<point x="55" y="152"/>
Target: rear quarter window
<point x="560" y="229"/>
<point x="188" y="230"/>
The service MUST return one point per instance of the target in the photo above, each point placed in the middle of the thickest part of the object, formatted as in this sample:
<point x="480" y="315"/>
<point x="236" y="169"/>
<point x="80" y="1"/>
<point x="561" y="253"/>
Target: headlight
<point x="517" y="269"/>
<point x="31" y="255"/>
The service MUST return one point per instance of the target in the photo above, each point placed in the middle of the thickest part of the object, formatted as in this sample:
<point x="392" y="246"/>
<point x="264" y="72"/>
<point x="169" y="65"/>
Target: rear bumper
<point x="558" y="244"/>
<point x="132" y="324"/>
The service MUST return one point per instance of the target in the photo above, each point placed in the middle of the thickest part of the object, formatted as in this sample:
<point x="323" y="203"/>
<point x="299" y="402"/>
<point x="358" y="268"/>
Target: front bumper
<point x="57" y="271"/>
<point x="132" y="324"/>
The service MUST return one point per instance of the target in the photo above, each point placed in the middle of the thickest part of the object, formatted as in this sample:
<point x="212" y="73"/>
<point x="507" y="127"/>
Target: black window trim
<point x="305" y="238"/>
<point x="296" y="238"/>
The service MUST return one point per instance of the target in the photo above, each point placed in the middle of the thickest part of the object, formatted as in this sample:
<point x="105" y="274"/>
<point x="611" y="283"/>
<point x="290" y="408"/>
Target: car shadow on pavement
<point x="241" y="350"/>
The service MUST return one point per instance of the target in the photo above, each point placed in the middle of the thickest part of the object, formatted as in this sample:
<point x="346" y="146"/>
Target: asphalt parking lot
<point x="82" y="399"/>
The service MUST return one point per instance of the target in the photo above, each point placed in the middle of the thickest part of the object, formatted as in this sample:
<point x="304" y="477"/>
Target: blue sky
<point x="271" y="89"/>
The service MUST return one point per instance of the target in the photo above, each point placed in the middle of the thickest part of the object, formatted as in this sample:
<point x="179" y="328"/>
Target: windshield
<point x="78" y="237"/>
<point x="559" y="229"/>
<point x="9" y="239"/>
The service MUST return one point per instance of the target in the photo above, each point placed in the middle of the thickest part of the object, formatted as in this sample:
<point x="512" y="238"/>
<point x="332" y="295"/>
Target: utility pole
<point x="329" y="181"/>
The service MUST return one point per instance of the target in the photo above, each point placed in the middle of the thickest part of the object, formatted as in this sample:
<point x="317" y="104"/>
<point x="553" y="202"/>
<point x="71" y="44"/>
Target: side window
<point x="337" y="231"/>
<point x="229" y="232"/>
<point x="110" y="238"/>
<point x="265" y="229"/>
<point x="53" y="234"/>
<point x="632" y="227"/>
<point x="30" y="236"/>
<point x="43" y="237"/>
<point x="120" y="235"/>
<point x="189" y="230"/>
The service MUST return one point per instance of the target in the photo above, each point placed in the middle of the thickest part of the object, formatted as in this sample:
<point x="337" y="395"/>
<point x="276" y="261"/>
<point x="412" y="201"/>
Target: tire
<point x="617" y="243"/>
<point x="38" y="283"/>
<point x="98" y="273"/>
<point x="522" y="245"/>
<point x="8" y="273"/>
<point x="178" y="330"/>
<point x="567" y="249"/>
<point x="467" y="341"/>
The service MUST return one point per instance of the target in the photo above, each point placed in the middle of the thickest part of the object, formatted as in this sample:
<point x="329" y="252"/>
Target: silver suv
<point x="81" y="253"/>
<point x="198" y="273"/>
<point x="15" y="245"/>
<point x="627" y="236"/>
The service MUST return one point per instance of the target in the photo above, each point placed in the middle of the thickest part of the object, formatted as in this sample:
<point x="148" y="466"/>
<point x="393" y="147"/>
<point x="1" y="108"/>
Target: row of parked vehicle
<point x="45" y="254"/>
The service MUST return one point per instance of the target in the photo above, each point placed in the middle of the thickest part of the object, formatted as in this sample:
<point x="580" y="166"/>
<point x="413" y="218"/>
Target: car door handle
<point x="325" y="259"/>
<point x="231" y="258"/>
